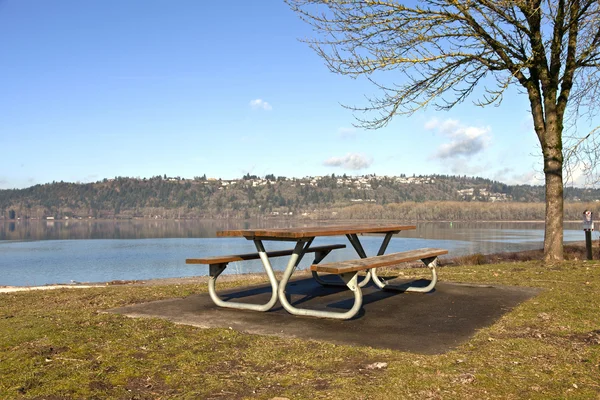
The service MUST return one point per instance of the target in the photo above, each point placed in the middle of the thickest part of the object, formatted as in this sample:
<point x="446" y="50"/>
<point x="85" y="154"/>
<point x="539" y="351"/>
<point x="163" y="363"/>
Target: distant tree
<point x="374" y="183"/>
<point x="443" y="49"/>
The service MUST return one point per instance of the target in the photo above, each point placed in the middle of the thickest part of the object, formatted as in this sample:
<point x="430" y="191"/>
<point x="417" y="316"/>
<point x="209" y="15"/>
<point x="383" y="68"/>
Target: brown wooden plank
<point x="255" y="256"/>
<point x="377" y="261"/>
<point x="307" y="232"/>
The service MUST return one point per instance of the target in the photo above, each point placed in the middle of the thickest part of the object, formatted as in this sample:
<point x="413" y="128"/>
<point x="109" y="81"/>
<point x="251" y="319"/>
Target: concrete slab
<point x="431" y="323"/>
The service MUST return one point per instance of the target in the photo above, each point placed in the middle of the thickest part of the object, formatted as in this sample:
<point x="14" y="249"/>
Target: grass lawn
<point x="59" y="344"/>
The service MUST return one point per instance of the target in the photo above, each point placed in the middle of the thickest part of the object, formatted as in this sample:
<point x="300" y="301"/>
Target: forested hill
<point x="252" y="196"/>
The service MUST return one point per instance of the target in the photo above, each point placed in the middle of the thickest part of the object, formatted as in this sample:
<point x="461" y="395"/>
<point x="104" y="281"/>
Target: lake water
<point x="47" y="252"/>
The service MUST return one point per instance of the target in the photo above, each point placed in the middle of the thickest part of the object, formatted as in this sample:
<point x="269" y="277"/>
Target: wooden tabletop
<point x="313" y="231"/>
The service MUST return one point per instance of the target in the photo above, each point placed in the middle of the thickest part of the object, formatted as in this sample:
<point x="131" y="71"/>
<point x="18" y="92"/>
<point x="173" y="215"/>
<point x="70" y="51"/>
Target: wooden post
<point x="588" y="244"/>
<point x="588" y="227"/>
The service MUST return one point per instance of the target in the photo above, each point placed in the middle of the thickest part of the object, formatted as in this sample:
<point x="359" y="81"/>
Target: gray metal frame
<point x="431" y="263"/>
<point x="355" y="242"/>
<point x="217" y="269"/>
<point x="350" y="280"/>
<point x="278" y="288"/>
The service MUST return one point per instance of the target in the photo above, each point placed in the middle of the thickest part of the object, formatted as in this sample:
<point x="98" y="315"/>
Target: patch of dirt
<point x="527" y="333"/>
<point x="590" y="338"/>
<point x="148" y="388"/>
<point x="139" y="355"/>
<point x="100" y="386"/>
<point x="582" y="339"/>
<point x="320" y="384"/>
<point x="52" y="351"/>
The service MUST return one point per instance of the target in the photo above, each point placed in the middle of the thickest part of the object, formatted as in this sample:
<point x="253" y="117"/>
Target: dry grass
<point x="572" y="252"/>
<point x="60" y="345"/>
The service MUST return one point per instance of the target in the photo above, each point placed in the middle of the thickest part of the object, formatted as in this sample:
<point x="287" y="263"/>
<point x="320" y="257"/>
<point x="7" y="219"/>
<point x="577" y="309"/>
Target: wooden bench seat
<point x="386" y="260"/>
<point x="218" y="264"/>
<point x="345" y="269"/>
<point x="255" y="256"/>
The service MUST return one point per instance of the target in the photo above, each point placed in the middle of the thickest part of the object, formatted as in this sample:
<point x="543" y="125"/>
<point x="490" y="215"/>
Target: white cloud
<point x="509" y="176"/>
<point x="465" y="141"/>
<point x="432" y="124"/>
<point x="527" y="178"/>
<point x="260" y="104"/>
<point x="352" y="161"/>
<point x="579" y="176"/>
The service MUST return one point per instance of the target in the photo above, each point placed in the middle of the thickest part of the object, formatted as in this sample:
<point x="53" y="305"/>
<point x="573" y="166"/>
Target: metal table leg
<point x="407" y="287"/>
<point x="217" y="269"/>
<point x="350" y="279"/>
<point x="371" y="274"/>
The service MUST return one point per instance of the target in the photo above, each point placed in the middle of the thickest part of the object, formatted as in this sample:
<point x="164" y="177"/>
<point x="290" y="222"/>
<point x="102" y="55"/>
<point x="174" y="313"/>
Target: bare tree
<point x="441" y="50"/>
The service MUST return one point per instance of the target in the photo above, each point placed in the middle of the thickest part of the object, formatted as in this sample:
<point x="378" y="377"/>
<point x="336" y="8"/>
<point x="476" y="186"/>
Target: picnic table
<point x="346" y="270"/>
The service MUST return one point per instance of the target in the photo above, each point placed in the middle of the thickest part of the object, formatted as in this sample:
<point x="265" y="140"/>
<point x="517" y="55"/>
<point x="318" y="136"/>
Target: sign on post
<point x="588" y="222"/>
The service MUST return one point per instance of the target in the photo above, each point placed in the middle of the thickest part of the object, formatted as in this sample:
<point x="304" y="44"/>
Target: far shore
<point x="274" y="219"/>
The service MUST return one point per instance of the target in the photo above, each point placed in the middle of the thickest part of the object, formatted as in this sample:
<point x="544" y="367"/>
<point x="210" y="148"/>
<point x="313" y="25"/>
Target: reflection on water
<point x="129" y="229"/>
<point x="38" y="253"/>
<point x="145" y="229"/>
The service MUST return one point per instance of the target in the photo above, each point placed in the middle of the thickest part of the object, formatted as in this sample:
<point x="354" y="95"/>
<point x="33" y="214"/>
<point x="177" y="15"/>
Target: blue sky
<point x="102" y="88"/>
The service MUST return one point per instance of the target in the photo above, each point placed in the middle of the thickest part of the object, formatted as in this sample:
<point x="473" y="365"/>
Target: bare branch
<point x="441" y="50"/>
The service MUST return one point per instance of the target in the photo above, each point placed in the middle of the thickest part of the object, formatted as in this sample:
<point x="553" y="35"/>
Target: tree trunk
<point x="553" y="164"/>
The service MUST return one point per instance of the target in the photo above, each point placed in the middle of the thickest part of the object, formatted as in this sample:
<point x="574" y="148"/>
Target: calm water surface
<point x="41" y="252"/>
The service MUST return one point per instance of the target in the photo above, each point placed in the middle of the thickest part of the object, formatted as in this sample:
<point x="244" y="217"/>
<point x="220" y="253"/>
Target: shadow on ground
<point x="431" y="323"/>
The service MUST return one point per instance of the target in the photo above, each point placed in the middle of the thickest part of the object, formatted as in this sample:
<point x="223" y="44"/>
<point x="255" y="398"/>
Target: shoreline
<point x="576" y="250"/>
<point x="142" y="282"/>
<point x="13" y="289"/>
